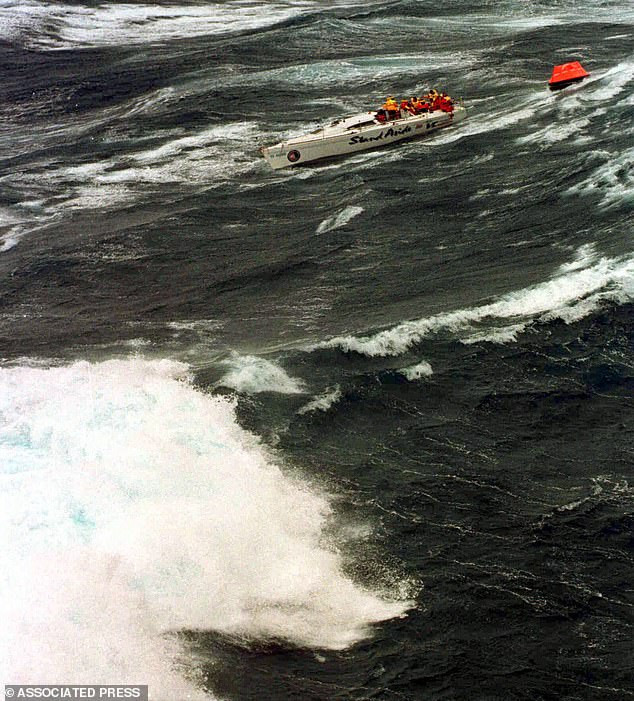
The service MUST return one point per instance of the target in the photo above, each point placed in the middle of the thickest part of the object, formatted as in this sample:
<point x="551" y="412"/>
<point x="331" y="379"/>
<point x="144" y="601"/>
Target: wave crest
<point x="135" y="506"/>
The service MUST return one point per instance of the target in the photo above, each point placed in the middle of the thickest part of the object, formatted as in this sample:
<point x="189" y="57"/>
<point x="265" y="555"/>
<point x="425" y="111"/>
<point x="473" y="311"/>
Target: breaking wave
<point x="251" y="375"/>
<point x="573" y="293"/>
<point x="135" y="506"/>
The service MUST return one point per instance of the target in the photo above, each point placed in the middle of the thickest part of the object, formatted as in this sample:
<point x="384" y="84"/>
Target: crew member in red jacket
<point x="416" y="105"/>
<point x="405" y="108"/>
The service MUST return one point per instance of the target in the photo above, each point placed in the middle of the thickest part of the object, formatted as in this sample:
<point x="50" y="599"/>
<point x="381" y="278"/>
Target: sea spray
<point x="136" y="506"/>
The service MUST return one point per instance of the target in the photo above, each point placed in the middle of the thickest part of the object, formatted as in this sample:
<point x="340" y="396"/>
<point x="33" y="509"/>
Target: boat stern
<point x="459" y="113"/>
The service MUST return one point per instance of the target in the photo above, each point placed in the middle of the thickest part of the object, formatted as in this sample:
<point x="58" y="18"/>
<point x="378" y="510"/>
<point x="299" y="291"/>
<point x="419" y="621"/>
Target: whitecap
<point x="134" y="506"/>
<point x="415" y="372"/>
<point x="323" y="402"/>
<point x="198" y="160"/>
<point x="251" y="374"/>
<point x="571" y="294"/>
<point x="611" y="83"/>
<point x="613" y="181"/>
<point x="63" y="26"/>
<point x="339" y="220"/>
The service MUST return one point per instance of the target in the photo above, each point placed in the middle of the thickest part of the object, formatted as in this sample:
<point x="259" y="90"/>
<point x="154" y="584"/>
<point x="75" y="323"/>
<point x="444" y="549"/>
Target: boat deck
<point x="357" y="124"/>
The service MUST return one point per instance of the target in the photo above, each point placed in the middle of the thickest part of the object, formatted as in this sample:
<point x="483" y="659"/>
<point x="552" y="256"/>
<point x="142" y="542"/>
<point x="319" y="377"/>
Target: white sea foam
<point x="199" y="157"/>
<point x="504" y="334"/>
<point x="323" y="402"/>
<point x="415" y="372"/>
<point x="16" y="222"/>
<point x="62" y="26"/>
<point x="354" y="70"/>
<point x="11" y="238"/>
<point x="252" y="374"/>
<point x="611" y="83"/>
<point x="584" y="257"/>
<point x="572" y="293"/>
<point x="498" y="116"/>
<point x="133" y="506"/>
<point x="198" y="161"/>
<point x="551" y="14"/>
<point x="126" y="23"/>
<point x="613" y="181"/>
<point x="554" y="133"/>
<point x="339" y="220"/>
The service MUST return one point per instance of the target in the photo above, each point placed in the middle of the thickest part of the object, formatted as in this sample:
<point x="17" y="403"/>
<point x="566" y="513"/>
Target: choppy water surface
<point x="357" y="430"/>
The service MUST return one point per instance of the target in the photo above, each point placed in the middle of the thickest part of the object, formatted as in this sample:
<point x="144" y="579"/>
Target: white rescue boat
<point x="357" y="133"/>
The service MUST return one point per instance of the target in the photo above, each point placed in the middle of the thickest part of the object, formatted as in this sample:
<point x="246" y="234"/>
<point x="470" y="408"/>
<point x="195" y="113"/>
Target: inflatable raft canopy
<point x="567" y="73"/>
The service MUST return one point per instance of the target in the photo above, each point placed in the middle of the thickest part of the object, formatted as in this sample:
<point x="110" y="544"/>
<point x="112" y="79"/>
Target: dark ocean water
<point x="359" y="430"/>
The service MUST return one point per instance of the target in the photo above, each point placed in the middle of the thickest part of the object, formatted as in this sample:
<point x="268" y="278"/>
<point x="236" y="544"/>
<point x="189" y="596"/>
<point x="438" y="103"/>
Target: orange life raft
<point x="567" y="73"/>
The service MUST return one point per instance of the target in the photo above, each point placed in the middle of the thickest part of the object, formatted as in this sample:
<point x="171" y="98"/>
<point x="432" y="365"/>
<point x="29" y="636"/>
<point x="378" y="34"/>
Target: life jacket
<point x="445" y="103"/>
<point x="390" y="106"/>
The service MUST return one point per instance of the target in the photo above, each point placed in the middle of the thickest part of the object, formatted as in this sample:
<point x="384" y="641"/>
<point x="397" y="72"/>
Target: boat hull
<point x="326" y="144"/>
